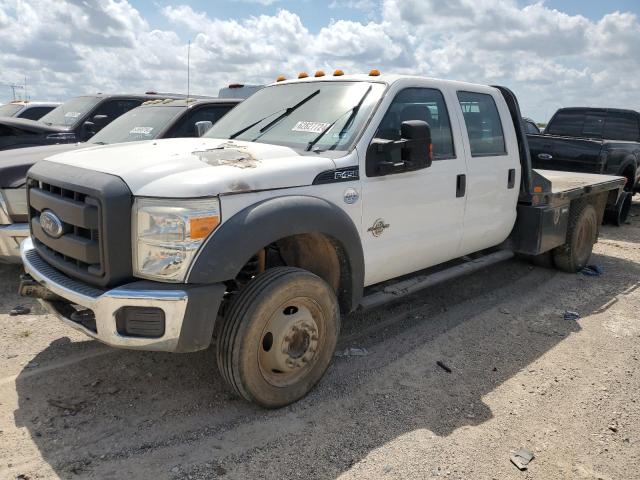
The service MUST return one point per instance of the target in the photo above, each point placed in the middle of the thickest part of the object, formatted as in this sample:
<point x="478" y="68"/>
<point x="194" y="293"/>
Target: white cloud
<point x="548" y="57"/>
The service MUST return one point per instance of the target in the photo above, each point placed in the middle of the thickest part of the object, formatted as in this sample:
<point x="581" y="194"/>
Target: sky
<point x="552" y="53"/>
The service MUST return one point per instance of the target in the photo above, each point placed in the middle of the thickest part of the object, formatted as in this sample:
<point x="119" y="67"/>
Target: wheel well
<point x="318" y="253"/>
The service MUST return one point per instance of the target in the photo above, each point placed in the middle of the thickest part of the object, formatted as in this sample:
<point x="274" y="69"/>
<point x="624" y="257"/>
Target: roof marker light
<point x="281" y="78"/>
<point x="338" y="73"/>
<point x="374" y="73"/>
<point x="303" y="75"/>
<point x="319" y="73"/>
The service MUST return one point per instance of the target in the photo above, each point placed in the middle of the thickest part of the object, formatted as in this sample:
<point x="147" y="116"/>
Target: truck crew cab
<point x="307" y="201"/>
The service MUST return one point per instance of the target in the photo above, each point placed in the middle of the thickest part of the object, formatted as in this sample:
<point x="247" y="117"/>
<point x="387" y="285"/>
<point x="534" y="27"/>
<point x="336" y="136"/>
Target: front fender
<point x="239" y="238"/>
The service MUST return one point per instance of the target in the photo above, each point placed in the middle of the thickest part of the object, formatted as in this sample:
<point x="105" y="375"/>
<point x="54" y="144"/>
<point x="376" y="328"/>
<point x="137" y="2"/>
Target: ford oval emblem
<point x="51" y="224"/>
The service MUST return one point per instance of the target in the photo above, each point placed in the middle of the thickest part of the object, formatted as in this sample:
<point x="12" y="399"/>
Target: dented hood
<point x="194" y="167"/>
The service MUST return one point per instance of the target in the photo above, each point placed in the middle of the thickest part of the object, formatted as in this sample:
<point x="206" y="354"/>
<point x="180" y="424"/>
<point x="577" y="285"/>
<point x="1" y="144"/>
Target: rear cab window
<point x="622" y="126"/>
<point x="484" y="128"/>
<point x="577" y="123"/>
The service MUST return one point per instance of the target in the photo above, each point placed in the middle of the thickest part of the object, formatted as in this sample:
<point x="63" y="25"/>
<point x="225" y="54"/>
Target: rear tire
<point x="279" y="336"/>
<point x="619" y="213"/>
<point x="582" y="233"/>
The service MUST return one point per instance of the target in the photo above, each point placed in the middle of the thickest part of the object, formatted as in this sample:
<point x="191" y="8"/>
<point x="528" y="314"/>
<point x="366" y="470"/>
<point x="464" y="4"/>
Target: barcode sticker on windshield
<point x="311" y="127"/>
<point x="72" y="114"/>
<point x="141" y="131"/>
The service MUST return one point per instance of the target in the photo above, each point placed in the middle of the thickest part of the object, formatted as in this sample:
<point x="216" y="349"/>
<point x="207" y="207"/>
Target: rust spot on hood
<point x="228" y="154"/>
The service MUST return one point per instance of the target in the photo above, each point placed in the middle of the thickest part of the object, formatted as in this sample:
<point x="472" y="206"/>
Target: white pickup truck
<point x="313" y="198"/>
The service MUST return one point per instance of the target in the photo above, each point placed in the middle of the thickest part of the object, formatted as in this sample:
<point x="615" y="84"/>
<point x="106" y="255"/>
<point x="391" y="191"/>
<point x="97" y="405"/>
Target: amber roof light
<point x="281" y="78"/>
<point x="338" y="73"/>
<point x="374" y="73"/>
<point x="303" y="75"/>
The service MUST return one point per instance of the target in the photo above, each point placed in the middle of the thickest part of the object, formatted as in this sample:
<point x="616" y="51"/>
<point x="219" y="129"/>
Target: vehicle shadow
<point x="142" y="414"/>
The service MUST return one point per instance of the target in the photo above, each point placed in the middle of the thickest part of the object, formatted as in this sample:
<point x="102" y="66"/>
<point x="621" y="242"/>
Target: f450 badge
<point x="378" y="227"/>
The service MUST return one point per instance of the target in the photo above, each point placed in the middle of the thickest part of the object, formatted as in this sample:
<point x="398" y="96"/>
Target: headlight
<point x="167" y="233"/>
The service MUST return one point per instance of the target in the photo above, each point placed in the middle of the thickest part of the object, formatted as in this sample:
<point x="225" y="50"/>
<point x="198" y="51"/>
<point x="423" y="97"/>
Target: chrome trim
<point x="105" y="304"/>
<point x="10" y="238"/>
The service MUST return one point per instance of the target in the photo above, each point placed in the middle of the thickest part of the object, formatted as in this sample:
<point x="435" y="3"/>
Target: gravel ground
<point x="521" y="377"/>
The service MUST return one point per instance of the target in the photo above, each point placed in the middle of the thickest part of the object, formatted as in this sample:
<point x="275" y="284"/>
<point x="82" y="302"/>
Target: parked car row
<point x="314" y="197"/>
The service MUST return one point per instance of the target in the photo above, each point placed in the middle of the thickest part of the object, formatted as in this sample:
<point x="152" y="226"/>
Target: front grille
<point x="79" y="246"/>
<point x="92" y="241"/>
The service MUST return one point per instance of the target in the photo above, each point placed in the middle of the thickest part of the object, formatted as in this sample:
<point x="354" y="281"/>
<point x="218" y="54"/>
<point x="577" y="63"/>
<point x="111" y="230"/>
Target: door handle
<point x="511" y="180"/>
<point x="461" y="185"/>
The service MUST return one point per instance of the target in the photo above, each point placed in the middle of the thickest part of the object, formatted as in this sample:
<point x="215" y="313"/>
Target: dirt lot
<point x="522" y="376"/>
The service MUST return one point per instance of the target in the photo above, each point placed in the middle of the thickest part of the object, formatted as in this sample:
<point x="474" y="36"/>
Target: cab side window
<point x="187" y="125"/>
<point x="484" y="128"/>
<point x="114" y="108"/>
<point x="425" y="104"/>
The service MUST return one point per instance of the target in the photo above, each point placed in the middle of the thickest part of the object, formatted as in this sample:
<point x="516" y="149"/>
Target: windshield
<point x="318" y="115"/>
<point x="10" y="109"/>
<point x="70" y="112"/>
<point x="142" y="123"/>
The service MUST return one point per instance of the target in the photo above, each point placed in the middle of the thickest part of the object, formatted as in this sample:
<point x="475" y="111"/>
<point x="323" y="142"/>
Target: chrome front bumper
<point x="10" y="238"/>
<point x="189" y="312"/>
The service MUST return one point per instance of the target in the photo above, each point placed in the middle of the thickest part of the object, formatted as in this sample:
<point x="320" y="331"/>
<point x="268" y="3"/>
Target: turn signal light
<point x="201" y="227"/>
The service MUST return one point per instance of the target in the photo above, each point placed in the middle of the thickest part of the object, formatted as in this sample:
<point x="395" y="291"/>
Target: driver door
<point x="413" y="220"/>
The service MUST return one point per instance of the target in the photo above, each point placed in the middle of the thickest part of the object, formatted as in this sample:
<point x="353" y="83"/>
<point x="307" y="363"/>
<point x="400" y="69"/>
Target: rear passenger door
<point x="186" y="126"/>
<point x="493" y="171"/>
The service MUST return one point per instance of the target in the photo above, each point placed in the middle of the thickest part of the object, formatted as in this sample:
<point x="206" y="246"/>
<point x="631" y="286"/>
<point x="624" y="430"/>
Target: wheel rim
<point x="290" y="342"/>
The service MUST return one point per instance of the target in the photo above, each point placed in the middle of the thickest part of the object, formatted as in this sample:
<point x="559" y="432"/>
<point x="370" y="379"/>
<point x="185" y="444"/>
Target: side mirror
<point x="88" y="130"/>
<point x="412" y="152"/>
<point x="100" y="120"/>
<point x="203" y="127"/>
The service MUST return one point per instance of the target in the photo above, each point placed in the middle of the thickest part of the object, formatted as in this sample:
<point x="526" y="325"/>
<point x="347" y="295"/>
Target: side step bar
<point x="406" y="287"/>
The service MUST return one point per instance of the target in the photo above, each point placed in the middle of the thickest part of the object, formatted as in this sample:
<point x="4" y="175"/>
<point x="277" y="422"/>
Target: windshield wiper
<point x="240" y="132"/>
<point x="285" y="114"/>
<point x="346" y="126"/>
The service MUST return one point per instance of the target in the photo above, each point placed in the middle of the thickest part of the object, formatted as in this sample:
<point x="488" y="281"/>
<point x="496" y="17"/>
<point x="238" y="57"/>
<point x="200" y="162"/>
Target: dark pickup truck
<point x="592" y="140"/>
<point x="76" y="120"/>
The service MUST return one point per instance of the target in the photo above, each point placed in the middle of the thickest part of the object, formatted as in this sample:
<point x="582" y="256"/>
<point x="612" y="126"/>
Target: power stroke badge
<point x="378" y="227"/>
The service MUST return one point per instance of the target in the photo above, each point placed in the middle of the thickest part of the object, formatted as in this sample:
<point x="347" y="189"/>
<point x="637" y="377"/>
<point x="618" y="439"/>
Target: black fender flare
<point x="231" y="245"/>
<point x="629" y="161"/>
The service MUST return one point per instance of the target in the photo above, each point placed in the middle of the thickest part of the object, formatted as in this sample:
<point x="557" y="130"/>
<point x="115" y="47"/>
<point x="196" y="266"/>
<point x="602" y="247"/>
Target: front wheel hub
<point x="289" y="342"/>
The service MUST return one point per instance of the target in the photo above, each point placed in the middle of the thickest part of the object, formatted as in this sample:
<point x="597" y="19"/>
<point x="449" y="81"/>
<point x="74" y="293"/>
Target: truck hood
<point x="197" y="167"/>
<point x="31" y="125"/>
<point x="15" y="163"/>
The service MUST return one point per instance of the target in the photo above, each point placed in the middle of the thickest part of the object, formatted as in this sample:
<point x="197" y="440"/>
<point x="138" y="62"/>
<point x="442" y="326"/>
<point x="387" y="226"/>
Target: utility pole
<point x="13" y="88"/>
